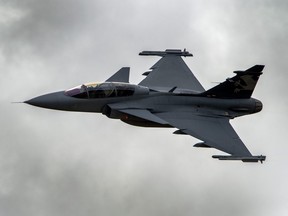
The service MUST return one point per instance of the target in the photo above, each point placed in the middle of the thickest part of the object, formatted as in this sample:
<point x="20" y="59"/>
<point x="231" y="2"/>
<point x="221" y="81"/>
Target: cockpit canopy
<point x="105" y="90"/>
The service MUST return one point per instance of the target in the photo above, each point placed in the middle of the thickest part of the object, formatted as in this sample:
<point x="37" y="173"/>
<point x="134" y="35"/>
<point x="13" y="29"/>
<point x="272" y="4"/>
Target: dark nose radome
<point x="258" y="106"/>
<point x="50" y="101"/>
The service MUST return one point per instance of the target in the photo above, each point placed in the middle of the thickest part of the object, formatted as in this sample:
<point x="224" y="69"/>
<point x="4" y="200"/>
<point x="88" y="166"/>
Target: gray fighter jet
<point x="170" y="96"/>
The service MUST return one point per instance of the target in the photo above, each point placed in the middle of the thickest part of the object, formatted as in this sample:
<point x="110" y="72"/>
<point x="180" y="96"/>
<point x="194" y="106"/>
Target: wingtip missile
<point x="260" y="158"/>
<point x="175" y="52"/>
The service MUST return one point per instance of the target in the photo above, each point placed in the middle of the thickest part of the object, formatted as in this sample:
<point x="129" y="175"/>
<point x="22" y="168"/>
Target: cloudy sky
<point x="61" y="163"/>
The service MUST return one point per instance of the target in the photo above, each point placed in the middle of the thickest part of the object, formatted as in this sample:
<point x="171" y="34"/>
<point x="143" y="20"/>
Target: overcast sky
<point x="60" y="163"/>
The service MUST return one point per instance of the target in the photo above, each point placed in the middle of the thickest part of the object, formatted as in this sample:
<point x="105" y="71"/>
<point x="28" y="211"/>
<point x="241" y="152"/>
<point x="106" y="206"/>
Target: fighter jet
<point x="170" y="96"/>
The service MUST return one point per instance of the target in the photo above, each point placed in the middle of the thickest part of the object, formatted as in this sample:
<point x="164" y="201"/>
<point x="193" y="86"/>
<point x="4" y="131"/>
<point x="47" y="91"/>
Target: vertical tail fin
<point x="240" y="86"/>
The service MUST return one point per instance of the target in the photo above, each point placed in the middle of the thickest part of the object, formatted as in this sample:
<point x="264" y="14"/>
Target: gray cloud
<point x="45" y="26"/>
<point x="57" y="163"/>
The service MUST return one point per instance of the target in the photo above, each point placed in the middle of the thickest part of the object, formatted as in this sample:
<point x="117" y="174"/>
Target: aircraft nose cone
<point x="258" y="106"/>
<point x="50" y="101"/>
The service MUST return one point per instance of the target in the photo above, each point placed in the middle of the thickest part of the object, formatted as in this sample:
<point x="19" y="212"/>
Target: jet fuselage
<point x="155" y="102"/>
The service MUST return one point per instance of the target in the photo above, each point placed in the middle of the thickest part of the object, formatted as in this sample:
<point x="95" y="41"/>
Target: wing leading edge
<point x="170" y="71"/>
